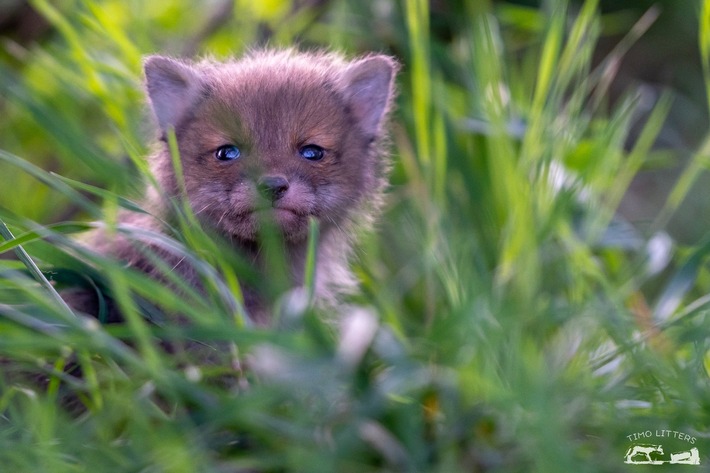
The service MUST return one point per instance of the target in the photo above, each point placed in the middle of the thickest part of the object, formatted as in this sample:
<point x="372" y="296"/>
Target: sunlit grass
<point x="509" y="319"/>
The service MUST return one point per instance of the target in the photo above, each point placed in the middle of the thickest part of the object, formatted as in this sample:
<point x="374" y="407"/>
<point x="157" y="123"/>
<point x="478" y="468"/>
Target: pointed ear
<point x="369" y="88"/>
<point x="173" y="87"/>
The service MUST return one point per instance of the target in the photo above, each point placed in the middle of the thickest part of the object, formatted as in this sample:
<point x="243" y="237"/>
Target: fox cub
<point x="278" y="135"/>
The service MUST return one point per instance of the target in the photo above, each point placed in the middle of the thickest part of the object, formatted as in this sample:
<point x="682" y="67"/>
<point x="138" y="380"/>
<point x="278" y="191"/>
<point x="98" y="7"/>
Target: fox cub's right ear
<point x="173" y="87"/>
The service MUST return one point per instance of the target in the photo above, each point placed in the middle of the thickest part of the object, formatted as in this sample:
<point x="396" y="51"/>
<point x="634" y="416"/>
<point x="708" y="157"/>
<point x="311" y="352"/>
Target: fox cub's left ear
<point x="369" y="89"/>
<point x="173" y="88"/>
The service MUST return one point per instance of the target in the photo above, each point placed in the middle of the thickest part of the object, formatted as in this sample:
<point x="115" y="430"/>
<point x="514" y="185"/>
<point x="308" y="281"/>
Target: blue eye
<point x="227" y="153"/>
<point x="312" y="152"/>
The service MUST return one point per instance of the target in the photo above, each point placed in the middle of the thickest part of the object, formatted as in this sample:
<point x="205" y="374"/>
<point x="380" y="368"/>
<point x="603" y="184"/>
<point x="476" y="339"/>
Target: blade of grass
<point x="30" y="236"/>
<point x="704" y="39"/>
<point x="25" y="258"/>
<point x="103" y="193"/>
<point x="603" y="75"/>
<point x="681" y="282"/>
<point x="630" y="166"/>
<point x="417" y="18"/>
<point x="52" y="181"/>
<point x="309" y="278"/>
<point x="698" y="162"/>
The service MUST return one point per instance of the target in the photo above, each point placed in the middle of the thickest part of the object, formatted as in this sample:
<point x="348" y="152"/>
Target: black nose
<point x="272" y="187"/>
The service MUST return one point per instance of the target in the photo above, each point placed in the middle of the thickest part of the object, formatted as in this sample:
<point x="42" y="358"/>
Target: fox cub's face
<point x="278" y="135"/>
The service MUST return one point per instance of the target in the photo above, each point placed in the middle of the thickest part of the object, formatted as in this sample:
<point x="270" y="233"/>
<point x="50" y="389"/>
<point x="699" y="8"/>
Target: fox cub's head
<point x="278" y="135"/>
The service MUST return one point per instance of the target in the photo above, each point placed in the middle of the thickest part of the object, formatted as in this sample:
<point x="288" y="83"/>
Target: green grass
<point x="509" y="319"/>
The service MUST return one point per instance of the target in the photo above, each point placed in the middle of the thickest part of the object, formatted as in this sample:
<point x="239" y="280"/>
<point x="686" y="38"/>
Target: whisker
<point x="222" y="217"/>
<point x="203" y="209"/>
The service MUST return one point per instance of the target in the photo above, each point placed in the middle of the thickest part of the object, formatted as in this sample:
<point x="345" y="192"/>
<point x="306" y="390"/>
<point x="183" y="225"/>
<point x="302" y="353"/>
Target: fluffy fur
<point x="271" y="105"/>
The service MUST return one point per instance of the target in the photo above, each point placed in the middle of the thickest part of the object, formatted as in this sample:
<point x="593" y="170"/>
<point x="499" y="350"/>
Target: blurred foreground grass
<point x="509" y="319"/>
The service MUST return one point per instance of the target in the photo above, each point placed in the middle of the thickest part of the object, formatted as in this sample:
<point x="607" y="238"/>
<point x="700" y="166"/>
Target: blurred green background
<point x="537" y="288"/>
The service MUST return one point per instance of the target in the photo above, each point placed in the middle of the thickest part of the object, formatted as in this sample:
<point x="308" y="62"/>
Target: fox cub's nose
<point x="272" y="187"/>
